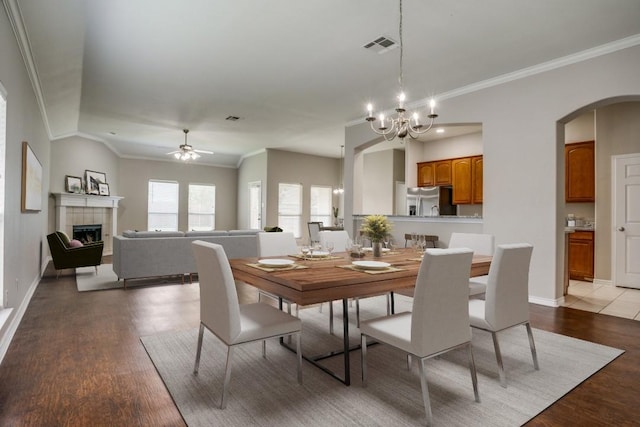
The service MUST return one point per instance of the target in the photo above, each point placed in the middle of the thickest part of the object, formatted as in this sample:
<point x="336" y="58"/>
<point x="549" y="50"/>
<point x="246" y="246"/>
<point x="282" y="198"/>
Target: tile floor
<point x="611" y="300"/>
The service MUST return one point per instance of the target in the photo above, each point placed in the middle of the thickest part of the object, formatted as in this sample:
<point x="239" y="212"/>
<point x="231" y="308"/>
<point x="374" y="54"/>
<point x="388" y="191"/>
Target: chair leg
<point x="330" y="317"/>
<point x="533" y="347"/>
<point x="264" y="349"/>
<point x="408" y="361"/>
<point x="227" y="378"/>
<point x="299" y="355"/>
<point x="199" y="349"/>
<point x="474" y="377"/>
<point x="357" y="312"/>
<point x="425" y="392"/>
<point x="96" y="267"/>
<point x="388" y="304"/>
<point x="363" y="358"/>
<point x="496" y="346"/>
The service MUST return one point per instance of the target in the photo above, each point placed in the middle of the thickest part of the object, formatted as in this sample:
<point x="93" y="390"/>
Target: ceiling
<point x="133" y="74"/>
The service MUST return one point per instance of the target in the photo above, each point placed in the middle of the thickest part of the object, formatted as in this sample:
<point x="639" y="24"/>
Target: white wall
<point x="523" y="144"/>
<point x="26" y="248"/>
<point x="450" y="148"/>
<point x="378" y="184"/>
<point x="617" y="132"/>
<point x="134" y="177"/>
<point x="305" y="169"/>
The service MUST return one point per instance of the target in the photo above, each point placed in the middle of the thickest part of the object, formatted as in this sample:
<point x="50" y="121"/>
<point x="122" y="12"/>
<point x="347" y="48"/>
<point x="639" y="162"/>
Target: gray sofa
<point x="141" y="254"/>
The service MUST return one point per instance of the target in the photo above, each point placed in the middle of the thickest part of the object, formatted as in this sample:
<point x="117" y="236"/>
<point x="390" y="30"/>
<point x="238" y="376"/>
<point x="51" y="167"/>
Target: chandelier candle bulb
<point x="432" y="104"/>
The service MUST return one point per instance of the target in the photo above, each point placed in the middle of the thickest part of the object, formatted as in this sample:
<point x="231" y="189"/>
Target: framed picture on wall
<point x="93" y="180"/>
<point x="73" y="184"/>
<point x="103" y="189"/>
<point x="31" y="180"/>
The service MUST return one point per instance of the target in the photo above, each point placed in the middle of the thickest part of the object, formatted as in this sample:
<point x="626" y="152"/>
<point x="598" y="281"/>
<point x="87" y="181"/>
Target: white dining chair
<point x="276" y="244"/>
<point x="439" y="320"/>
<point x="339" y="238"/>
<point x="230" y="322"/>
<point x="506" y="302"/>
<point x="480" y="244"/>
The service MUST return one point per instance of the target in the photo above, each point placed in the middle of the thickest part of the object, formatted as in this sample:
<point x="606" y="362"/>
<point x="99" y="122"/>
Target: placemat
<point x="272" y="269"/>
<point x="386" y="270"/>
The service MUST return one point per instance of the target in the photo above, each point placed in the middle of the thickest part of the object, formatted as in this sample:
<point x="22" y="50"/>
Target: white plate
<point x="319" y="254"/>
<point x="370" y="249"/>
<point x="371" y="265"/>
<point x="275" y="262"/>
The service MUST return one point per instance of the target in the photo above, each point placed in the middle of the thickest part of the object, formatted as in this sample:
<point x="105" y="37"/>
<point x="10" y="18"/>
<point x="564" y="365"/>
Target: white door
<point x="255" y="205"/>
<point x="626" y="220"/>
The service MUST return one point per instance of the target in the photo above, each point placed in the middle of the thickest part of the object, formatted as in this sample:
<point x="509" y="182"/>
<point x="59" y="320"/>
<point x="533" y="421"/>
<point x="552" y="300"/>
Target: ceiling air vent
<point x="233" y="118"/>
<point x="381" y="45"/>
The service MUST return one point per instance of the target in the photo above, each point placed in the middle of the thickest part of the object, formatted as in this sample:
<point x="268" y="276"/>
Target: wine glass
<point x="329" y="247"/>
<point x="386" y="241"/>
<point x="305" y="251"/>
<point x="348" y="245"/>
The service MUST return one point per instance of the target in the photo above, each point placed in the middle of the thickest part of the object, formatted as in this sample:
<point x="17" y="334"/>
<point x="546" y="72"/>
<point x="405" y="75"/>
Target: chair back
<point x="507" y="295"/>
<point x="480" y="244"/>
<point x="219" y="307"/>
<point x="276" y="244"/>
<point x="339" y="239"/>
<point x="314" y="231"/>
<point x="440" y="316"/>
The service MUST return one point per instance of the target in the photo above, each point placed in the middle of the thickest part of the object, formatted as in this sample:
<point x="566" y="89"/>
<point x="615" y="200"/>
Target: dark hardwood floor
<point x="76" y="359"/>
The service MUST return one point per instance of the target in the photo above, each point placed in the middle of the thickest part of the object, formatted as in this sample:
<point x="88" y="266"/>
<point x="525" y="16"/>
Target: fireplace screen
<point x="87" y="233"/>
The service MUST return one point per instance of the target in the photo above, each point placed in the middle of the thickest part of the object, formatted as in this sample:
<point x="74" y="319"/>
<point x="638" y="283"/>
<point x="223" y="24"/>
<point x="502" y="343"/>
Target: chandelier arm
<point x="421" y="131"/>
<point x="383" y="132"/>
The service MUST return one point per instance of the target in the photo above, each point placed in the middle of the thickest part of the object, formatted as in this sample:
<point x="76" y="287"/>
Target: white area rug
<point x="265" y="392"/>
<point x="88" y="280"/>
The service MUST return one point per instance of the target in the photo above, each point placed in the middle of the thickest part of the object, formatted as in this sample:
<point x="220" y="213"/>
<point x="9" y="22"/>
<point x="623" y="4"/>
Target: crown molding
<point x="525" y="72"/>
<point x="246" y="156"/>
<point x="17" y="24"/>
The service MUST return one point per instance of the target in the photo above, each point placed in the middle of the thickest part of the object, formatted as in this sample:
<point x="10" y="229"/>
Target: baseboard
<point x="603" y="282"/>
<point x="545" y="301"/>
<point x="14" y="322"/>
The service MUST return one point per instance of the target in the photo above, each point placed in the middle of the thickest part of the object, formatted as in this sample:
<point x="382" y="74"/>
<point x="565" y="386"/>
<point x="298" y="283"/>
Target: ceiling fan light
<point x="176" y="155"/>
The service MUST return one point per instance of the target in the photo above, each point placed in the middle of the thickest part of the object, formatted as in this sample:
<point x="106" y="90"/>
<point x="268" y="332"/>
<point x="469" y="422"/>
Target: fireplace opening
<point x="87" y="233"/>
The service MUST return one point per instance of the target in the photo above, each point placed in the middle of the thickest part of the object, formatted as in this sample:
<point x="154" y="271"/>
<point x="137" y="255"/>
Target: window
<point x="202" y="207"/>
<point x="321" y="203"/>
<point x="163" y="206"/>
<point x="290" y="207"/>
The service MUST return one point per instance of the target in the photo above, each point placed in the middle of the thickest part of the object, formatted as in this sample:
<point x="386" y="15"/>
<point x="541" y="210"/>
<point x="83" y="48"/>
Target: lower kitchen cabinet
<point x="581" y="249"/>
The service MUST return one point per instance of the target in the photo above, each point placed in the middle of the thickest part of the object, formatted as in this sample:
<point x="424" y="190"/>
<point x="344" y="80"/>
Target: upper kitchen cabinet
<point x="580" y="172"/>
<point x="461" y="181"/>
<point x="426" y="174"/>
<point x="442" y="172"/>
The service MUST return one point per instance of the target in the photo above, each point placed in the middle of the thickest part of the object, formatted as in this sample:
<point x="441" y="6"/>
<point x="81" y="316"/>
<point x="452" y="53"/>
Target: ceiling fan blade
<point x="203" y="151"/>
<point x="173" y="152"/>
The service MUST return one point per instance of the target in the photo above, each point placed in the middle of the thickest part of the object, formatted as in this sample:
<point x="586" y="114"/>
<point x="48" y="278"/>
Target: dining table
<point x="323" y="277"/>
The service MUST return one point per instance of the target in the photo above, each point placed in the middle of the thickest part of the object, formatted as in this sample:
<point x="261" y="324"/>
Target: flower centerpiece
<point x="376" y="227"/>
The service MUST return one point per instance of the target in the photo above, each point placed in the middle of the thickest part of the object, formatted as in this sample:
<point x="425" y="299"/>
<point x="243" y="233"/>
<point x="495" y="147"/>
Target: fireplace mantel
<point x="86" y="200"/>
<point x="73" y="200"/>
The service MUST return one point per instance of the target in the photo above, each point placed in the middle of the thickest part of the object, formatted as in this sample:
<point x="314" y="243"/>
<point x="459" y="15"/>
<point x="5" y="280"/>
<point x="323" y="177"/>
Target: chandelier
<point x="340" y="189"/>
<point x="400" y="126"/>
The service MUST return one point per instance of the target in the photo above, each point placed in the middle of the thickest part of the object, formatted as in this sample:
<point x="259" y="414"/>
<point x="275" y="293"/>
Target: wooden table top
<point x="324" y="280"/>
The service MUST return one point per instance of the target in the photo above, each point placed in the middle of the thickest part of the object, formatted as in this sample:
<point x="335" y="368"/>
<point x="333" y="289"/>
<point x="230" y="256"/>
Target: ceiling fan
<point x="187" y="152"/>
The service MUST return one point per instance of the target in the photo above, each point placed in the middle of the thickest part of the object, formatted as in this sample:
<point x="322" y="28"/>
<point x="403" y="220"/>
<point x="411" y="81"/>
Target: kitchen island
<point x="441" y="226"/>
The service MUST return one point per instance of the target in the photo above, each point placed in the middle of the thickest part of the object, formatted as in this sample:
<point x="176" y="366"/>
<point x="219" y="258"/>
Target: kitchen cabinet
<point x="580" y="181"/>
<point x="581" y="248"/>
<point x="461" y="181"/>
<point x="426" y="174"/>
<point x="476" y="179"/>
<point x="442" y="172"/>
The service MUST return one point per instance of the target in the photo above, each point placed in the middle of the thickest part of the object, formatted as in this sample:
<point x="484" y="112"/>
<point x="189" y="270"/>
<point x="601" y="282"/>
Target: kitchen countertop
<point x="441" y="218"/>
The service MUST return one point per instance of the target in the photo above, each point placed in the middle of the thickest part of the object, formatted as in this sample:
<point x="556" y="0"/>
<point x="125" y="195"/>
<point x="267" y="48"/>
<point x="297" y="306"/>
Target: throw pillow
<point x="75" y="243"/>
